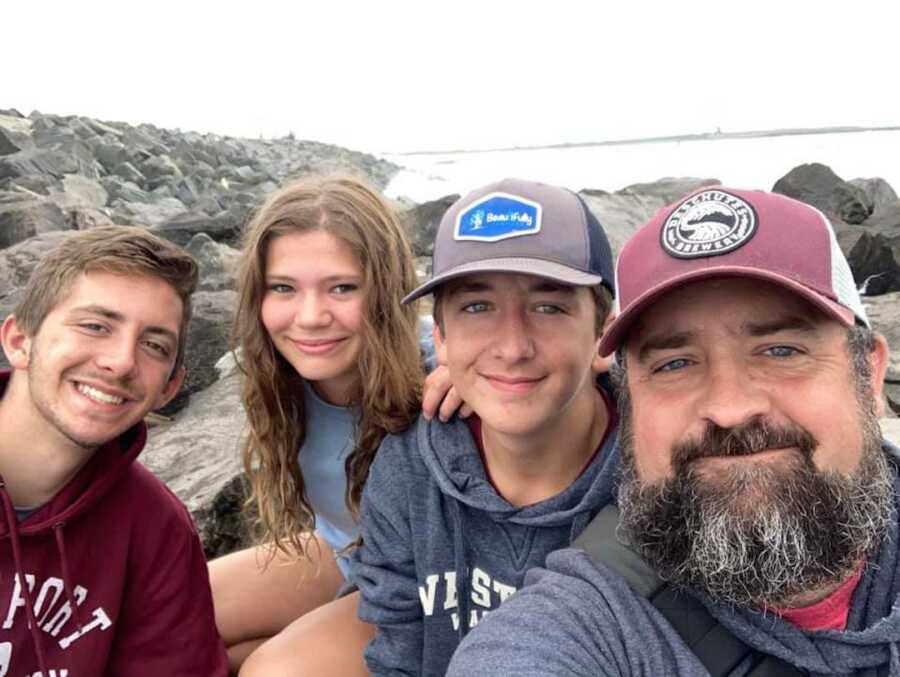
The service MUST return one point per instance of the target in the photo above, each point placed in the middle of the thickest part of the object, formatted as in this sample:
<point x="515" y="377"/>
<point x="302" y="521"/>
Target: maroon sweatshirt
<point x="116" y="578"/>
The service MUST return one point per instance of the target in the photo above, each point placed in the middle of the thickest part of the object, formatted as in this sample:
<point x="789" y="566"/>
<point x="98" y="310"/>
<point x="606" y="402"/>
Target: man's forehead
<point x="498" y="281"/>
<point x="739" y="306"/>
<point x="123" y="296"/>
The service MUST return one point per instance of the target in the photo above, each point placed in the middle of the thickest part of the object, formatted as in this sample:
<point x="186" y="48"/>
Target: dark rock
<point x="149" y="214"/>
<point x="159" y="167"/>
<point x="223" y="227"/>
<point x="878" y="192"/>
<point x="129" y="172"/>
<point x="218" y="263"/>
<point x="208" y="340"/>
<point x="123" y="191"/>
<point x="13" y="142"/>
<point x="818" y="185"/>
<point x="38" y="184"/>
<point x="37" y="161"/>
<point x="884" y="315"/>
<point x="79" y="191"/>
<point x="110" y="154"/>
<point x="421" y="223"/>
<point x="223" y="526"/>
<point x="871" y="259"/>
<point x="27" y="218"/>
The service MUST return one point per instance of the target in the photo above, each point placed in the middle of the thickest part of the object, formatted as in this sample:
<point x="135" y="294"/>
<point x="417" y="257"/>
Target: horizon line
<point x="701" y="136"/>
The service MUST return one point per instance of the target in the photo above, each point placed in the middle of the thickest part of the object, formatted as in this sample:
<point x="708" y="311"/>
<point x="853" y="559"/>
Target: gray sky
<point x="394" y="76"/>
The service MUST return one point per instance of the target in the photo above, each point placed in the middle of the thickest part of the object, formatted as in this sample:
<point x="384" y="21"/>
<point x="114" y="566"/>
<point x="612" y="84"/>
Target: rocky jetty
<point x="59" y="174"/>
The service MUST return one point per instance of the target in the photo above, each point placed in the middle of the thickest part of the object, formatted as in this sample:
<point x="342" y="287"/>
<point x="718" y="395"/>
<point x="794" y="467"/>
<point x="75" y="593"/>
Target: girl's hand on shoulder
<point x="440" y="397"/>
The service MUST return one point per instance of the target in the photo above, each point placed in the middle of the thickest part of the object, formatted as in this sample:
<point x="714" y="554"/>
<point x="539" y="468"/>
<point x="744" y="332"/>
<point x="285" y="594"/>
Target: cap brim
<point x="618" y="330"/>
<point x="526" y="266"/>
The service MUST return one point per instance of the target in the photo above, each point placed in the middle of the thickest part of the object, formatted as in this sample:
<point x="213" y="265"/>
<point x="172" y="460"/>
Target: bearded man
<point x="757" y="497"/>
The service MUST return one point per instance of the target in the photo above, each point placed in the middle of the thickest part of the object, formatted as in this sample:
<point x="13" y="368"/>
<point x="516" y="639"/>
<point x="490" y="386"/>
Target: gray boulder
<point x="147" y="214"/>
<point x="818" y="185"/>
<point x="37" y="161"/>
<point x="878" y="192"/>
<point x="223" y="227"/>
<point x="21" y="219"/>
<point x="872" y="259"/>
<point x="79" y="191"/>
<point x="207" y="341"/>
<point x="421" y="223"/>
<point x="218" y="263"/>
<point x="198" y="457"/>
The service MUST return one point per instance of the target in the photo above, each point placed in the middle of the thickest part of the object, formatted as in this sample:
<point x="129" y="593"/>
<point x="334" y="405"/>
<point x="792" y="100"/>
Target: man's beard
<point x="757" y="533"/>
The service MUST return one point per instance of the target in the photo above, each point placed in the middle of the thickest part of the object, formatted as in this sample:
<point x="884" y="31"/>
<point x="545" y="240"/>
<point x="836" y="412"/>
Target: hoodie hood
<point x="872" y="636"/>
<point x="451" y="456"/>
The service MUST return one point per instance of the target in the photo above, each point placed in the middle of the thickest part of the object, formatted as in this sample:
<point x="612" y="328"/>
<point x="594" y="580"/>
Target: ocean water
<point x="742" y="163"/>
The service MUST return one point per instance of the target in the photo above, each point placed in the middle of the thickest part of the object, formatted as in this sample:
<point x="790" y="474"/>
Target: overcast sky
<point x="397" y="76"/>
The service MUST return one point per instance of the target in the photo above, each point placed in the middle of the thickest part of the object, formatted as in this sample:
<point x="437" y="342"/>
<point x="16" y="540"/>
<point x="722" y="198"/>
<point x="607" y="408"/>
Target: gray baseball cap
<point x="516" y="226"/>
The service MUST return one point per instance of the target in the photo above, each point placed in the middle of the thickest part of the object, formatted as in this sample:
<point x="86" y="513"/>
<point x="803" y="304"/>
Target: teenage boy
<point x="101" y="570"/>
<point x="455" y="513"/>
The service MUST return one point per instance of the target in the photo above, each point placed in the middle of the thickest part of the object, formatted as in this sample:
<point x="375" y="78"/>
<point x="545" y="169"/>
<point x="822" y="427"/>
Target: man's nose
<point x="118" y="356"/>
<point x="512" y="338"/>
<point x="731" y="396"/>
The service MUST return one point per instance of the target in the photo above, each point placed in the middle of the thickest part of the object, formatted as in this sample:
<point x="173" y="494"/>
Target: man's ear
<point x="171" y="389"/>
<point x="440" y="347"/>
<point x="878" y="360"/>
<point x="16" y="343"/>
<point x="602" y="364"/>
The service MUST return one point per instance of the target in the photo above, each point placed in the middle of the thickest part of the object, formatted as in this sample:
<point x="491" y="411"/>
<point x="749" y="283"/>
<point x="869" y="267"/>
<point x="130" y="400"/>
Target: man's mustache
<point x="756" y="435"/>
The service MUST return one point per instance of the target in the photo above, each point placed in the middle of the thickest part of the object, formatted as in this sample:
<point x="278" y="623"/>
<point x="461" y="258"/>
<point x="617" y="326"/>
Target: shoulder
<point x="399" y="460"/>
<point x="154" y="506"/>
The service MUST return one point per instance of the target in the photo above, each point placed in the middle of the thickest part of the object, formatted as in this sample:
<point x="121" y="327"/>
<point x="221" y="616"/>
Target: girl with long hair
<point x="331" y="363"/>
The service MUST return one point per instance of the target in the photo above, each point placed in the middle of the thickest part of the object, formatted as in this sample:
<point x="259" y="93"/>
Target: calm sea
<point x="746" y="163"/>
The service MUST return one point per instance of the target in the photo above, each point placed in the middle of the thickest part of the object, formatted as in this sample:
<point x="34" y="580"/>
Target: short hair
<point x="603" y="302"/>
<point x="121" y="250"/>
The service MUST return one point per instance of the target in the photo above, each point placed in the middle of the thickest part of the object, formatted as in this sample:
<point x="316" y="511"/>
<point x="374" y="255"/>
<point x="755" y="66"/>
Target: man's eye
<point x="672" y="365"/>
<point x="475" y="307"/>
<point x="549" y="308"/>
<point x="781" y="351"/>
<point x="92" y="327"/>
<point x="159" y="348"/>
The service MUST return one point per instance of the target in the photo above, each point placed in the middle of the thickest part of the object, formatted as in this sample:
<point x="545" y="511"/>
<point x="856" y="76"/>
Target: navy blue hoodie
<point x="441" y="547"/>
<point x="579" y="618"/>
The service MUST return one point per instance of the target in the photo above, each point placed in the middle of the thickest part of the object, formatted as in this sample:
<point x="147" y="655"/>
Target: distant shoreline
<point x="705" y="136"/>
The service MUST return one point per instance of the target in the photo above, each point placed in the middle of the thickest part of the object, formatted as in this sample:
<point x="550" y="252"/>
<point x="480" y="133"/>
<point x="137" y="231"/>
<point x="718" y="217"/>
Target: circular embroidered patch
<point x="708" y="224"/>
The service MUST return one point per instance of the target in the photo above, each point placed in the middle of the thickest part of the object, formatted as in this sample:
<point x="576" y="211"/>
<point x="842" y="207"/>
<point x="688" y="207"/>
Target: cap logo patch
<point x="708" y="224"/>
<point x="498" y="216"/>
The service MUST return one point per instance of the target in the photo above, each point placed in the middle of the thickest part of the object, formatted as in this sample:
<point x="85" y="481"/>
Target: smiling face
<point x="522" y="351"/>
<point x="750" y="435"/>
<point x="101" y="359"/>
<point x="312" y="309"/>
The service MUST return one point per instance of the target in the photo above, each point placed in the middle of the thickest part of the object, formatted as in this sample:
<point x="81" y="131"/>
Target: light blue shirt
<point x="330" y="436"/>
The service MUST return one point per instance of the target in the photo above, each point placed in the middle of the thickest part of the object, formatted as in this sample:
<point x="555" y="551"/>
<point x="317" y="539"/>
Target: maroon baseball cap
<point x="723" y="232"/>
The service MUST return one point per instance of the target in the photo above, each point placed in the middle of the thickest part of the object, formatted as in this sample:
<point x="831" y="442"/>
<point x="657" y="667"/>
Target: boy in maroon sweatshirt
<point x="101" y="570"/>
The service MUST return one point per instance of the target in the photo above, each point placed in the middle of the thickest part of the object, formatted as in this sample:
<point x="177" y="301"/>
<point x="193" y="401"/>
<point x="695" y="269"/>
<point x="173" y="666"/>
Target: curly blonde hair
<point x="390" y="370"/>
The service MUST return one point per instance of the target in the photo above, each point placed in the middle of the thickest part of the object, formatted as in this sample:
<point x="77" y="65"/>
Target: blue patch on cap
<point x="498" y="216"/>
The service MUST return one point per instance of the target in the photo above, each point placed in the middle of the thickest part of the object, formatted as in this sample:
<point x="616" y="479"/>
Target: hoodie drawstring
<point x="462" y="570"/>
<point x="67" y="581"/>
<point x="13" y="523"/>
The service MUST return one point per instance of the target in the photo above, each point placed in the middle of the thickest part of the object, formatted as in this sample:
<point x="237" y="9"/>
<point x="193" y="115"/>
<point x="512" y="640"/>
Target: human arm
<point x="383" y="568"/>
<point x="574" y="618"/>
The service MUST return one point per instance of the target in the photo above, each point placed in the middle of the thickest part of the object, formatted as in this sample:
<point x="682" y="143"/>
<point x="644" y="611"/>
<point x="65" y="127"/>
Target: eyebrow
<point x="789" y="323"/>
<point x="666" y="342"/>
<point x="752" y="329"/>
<point x="116" y="316"/>
<point x="330" y="278"/>
<point x="540" y="286"/>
